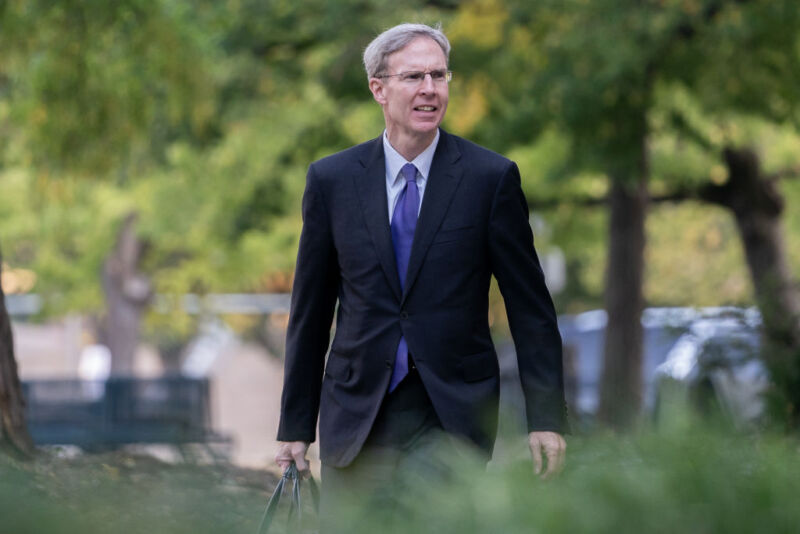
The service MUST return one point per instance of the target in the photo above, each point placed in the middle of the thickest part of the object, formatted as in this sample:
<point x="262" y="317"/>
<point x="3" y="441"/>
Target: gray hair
<point x="397" y="38"/>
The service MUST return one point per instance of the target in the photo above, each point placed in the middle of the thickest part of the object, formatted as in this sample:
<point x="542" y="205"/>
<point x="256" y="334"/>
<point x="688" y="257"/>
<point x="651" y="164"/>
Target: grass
<point x="688" y="479"/>
<point x="119" y="493"/>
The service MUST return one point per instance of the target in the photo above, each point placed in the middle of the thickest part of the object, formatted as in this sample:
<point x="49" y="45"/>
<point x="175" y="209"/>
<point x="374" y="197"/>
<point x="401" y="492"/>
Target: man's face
<point x="413" y="108"/>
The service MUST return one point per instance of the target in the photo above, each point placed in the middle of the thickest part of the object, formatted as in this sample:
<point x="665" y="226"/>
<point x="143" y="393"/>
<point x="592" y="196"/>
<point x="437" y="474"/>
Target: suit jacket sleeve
<point x="531" y="314"/>
<point x="313" y="301"/>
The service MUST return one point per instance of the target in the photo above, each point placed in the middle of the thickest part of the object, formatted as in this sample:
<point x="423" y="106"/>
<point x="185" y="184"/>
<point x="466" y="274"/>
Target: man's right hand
<point x="293" y="451"/>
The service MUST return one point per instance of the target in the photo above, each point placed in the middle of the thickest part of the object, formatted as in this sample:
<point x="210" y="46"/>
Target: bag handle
<point x="291" y="473"/>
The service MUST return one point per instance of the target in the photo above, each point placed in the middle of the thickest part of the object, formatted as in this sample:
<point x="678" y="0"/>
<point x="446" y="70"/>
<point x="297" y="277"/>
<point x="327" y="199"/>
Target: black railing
<point x="117" y="411"/>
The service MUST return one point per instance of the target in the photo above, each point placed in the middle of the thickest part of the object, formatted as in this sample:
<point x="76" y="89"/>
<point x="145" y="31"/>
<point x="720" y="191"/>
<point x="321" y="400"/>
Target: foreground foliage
<point x="120" y="493"/>
<point x="687" y="479"/>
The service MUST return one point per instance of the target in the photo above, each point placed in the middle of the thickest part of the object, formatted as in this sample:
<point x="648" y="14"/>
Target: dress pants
<point x="405" y="448"/>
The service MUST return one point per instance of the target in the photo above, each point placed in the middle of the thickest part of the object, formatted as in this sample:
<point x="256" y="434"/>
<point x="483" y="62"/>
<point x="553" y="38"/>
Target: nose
<point x="427" y="85"/>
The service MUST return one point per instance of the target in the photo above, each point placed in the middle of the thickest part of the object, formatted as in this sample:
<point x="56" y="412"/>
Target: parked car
<point x="583" y="335"/>
<point x="691" y="347"/>
<point x="715" y="367"/>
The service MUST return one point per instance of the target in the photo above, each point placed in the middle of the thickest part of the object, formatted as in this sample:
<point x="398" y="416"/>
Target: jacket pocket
<point x="479" y="366"/>
<point x="338" y="367"/>
<point x="447" y="235"/>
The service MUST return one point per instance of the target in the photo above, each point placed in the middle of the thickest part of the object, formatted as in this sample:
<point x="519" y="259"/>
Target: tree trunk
<point x="621" y="381"/>
<point x="127" y="294"/>
<point x="757" y="206"/>
<point x="13" y="430"/>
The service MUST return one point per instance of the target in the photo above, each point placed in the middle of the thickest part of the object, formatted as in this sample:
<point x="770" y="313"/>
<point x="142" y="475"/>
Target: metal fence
<point x="171" y="410"/>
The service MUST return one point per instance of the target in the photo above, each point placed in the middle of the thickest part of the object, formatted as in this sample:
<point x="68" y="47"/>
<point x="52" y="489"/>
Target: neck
<point x="409" y="146"/>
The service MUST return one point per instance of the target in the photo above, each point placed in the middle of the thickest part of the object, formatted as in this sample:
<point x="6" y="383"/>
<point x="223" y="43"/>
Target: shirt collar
<point x="395" y="162"/>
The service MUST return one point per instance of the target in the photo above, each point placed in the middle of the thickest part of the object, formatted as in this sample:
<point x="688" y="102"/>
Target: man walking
<point x="405" y="231"/>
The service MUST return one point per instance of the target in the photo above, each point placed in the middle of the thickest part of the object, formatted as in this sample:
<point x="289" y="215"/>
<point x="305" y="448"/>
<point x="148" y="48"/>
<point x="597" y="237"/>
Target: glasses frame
<point x="448" y="76"/>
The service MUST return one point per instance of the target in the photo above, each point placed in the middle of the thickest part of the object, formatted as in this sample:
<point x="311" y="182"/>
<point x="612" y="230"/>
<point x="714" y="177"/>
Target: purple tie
<point x="404" y="222"/>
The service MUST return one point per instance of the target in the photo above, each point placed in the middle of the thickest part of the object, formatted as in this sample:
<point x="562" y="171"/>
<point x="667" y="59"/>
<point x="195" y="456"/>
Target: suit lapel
<point x="370" y="185"/>
<point x="443" y="180"/>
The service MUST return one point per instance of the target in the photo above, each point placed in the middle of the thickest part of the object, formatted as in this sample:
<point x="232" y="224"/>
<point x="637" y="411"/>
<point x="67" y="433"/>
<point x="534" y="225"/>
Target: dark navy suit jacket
<point x="473" y="224"/>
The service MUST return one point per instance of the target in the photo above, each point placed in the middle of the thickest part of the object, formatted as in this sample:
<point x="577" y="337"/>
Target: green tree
<point x="598" y="72"/>
<point x="91" y="91"/>
<point x="201" y="118"/>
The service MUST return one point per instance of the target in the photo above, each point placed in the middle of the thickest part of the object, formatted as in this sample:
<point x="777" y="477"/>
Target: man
<point x="406" y="231"/>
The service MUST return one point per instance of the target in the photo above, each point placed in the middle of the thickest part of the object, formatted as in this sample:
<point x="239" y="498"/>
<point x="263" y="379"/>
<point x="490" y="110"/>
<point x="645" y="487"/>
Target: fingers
<point x="536" y="453"/>
<point x="293" y="451"/>
<point x="298" y="451"/>
<point x="283" y="457"/>
<point x="555" y="450"/>
<point x="550" y="445"/>
<point x="553" y="462"/>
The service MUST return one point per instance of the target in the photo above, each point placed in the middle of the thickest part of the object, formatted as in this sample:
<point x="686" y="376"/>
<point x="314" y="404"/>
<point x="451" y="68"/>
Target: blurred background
<point x="153" y="158"/>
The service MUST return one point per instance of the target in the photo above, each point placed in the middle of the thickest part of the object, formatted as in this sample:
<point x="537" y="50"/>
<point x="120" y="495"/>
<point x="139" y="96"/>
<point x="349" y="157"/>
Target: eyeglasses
<point x="415" y="76"/>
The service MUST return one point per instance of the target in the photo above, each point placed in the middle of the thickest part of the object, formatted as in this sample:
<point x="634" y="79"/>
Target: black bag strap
<point x="295" y="511"/>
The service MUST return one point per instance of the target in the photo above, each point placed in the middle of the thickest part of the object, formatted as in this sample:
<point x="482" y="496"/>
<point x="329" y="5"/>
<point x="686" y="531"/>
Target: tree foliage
<point x="202" y="117"/>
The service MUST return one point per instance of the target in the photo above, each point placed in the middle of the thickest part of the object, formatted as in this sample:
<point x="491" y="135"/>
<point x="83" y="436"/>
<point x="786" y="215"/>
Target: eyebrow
<point x="421" y="69"/>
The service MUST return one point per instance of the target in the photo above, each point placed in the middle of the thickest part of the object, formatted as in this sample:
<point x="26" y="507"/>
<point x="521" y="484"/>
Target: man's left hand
<point x="550" y="445"/>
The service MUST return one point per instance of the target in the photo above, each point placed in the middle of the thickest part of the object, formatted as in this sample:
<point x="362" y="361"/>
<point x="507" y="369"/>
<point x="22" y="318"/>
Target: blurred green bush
<point x="686" y="477"/>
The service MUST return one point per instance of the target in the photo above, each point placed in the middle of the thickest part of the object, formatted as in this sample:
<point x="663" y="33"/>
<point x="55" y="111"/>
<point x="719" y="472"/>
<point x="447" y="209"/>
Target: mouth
<point x="425" y="108"/>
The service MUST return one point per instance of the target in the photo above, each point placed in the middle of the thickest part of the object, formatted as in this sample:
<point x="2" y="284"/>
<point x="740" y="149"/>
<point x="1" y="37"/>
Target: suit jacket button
<point x="389" y="364"/>
<point x="404" y="314"/>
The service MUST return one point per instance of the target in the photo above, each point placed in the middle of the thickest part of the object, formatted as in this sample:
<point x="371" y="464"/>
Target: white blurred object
<point x="94" y="363"/>
<point x="94" y="368"/>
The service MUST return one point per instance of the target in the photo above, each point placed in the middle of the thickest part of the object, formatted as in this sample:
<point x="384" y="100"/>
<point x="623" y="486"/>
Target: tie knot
<point x="409" y="172"/>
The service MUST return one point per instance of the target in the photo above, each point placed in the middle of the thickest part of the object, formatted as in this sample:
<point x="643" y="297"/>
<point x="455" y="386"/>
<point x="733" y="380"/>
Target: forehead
<point x="420" y="54"/>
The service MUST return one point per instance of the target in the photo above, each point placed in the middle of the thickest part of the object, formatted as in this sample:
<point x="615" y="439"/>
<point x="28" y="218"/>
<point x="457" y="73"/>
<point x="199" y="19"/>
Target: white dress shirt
<point x="394" y="162"/>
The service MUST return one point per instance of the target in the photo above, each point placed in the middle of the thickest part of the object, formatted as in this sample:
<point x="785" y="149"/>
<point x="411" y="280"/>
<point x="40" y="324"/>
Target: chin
<point x="426" y="127"/>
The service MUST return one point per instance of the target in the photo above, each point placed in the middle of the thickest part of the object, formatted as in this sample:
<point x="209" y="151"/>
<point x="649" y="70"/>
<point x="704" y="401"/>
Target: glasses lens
<point x="413" y="76"/>
<point x="418" y="76"/>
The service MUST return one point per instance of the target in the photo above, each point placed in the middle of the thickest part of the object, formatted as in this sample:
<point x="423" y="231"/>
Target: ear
<point x="378" y="90"/>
